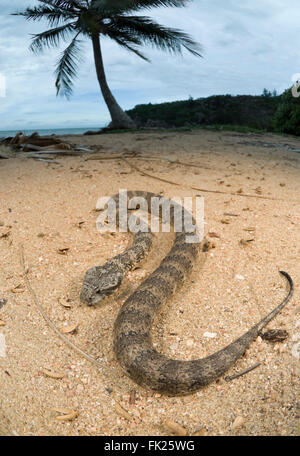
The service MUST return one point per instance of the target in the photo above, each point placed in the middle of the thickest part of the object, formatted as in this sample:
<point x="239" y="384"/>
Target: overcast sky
<point x="247" y="46"/>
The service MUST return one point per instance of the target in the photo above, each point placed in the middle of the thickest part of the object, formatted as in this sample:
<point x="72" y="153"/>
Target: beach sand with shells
<point x="251" y="186"/>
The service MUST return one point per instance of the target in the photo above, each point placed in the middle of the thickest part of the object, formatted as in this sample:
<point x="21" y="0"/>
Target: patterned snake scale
<point x="132" y="330"/>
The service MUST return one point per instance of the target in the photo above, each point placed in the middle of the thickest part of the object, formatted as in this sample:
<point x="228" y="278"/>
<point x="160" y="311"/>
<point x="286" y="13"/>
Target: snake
<point x="132" y="341"/>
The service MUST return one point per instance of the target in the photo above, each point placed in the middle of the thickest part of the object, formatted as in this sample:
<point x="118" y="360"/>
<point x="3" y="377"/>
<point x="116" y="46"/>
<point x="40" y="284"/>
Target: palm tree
<point x="95" y="19"/>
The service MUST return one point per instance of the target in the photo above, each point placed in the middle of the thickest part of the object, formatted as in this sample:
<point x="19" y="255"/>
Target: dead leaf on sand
<point x="65" y="303"/>
<point x="69" y="329"/>
<point x="63" y="250"/>
<point x="65" y="414"/>
<point x="20" y="288"/>
<point x="175" y="428"/>
<point x="49" y="372"/>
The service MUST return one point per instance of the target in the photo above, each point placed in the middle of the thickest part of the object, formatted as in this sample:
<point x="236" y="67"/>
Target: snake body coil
<point x="132" y="330"/>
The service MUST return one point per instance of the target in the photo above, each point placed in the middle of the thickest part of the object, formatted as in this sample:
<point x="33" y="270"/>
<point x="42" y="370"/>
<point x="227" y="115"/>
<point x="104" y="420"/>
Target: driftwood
<point x="54" y="147"/>
<point x="43" y="147"/>
<point x="83" y="149"/>
<point x="35" y="142"/>
<point x="5" y="152"/>
<point x="43" y="159"/>
<point x="34" y="139"/>
<point x="31" y="147"/>
<point x="54" y="152"/>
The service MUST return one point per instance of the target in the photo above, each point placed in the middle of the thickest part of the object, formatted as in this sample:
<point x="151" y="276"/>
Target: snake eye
<point x="100" y="282"/>
<point x="96" y="297"/>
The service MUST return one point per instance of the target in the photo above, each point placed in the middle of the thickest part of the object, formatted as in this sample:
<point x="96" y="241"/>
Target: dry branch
<point x="45" y="316"/>
<point x="204" y="190"/>
<point x="239" y="374"/>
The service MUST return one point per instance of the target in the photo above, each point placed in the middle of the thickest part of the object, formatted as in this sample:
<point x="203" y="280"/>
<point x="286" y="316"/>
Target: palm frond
<point x="66" y="68"/>
<point x="150" y="32"/>
<point x="149" y="4"/>
<point x="67" y="5"/>
<point x="126" y="40"/>
<point x="131" y="48"/>
<point x="52" y="37"/>
<point x="125" y="6"/>
<point x="53" y="15"/>
<point x="123" y="35"/>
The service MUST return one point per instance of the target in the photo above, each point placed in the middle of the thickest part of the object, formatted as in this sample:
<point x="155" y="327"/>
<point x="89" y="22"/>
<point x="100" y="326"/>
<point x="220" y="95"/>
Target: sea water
<point x="50" y="131"/>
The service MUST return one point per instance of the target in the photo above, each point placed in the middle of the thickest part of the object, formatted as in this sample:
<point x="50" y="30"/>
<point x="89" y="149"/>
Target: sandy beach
<point x="49" y="209"/>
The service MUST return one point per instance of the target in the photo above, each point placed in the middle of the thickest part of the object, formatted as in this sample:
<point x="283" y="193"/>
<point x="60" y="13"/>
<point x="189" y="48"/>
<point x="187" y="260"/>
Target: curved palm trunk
<point x="119" y="118"/>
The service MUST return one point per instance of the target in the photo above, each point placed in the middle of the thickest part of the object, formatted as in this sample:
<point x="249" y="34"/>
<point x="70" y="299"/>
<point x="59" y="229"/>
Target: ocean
<point x="51" y="131"/>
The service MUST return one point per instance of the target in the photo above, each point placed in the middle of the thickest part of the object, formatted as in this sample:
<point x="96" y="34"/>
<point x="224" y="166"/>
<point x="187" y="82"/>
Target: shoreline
<point x="47" y="131"/>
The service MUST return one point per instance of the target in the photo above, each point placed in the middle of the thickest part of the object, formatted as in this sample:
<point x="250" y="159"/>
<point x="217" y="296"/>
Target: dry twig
<point x="239" y="374"/>
<point x="204" y="190"/>
<point x="47" y="319"/>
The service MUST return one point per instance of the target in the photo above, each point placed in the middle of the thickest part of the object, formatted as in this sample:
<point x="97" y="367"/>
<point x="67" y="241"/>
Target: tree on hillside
<point x="266" y="93"/>
<point x="96" y="19"/>
<point x="287" y="116"/>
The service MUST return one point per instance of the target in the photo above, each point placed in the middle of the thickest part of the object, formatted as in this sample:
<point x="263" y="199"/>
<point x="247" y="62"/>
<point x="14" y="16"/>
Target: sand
<point x="47" y="207"/>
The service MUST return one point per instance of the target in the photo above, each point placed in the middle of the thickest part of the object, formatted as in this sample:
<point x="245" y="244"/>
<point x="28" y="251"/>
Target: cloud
<point x="247" y="46"/>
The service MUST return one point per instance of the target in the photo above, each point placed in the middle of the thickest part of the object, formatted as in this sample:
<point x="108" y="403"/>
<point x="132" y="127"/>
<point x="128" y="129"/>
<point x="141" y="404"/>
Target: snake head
<point x="100" y="282"/>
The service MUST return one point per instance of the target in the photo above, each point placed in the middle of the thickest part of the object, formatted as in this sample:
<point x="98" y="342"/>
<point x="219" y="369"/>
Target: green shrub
<point x="287" y="116"/>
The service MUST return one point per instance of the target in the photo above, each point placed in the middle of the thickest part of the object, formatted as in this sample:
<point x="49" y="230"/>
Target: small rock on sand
<point x="3" y="301"/>
<point x="238" y="422"/>
<point x="209" y="335"/>
<point x="2" y="346"/>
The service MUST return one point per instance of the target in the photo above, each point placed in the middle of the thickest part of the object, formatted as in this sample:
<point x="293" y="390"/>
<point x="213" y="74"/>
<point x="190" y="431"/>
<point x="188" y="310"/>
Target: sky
<point x="247" y="46"/>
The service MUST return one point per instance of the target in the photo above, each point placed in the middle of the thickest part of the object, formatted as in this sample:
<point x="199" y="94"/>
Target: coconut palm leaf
<point x="66" y="5"/>
<point x="66" y="69"/>
<point x="148" y="32"/>
<point x="131" y="48"/>
<point x="126" y="6"/>
<point x="53" y="15"/>
<point x="52" y="37"/>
